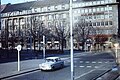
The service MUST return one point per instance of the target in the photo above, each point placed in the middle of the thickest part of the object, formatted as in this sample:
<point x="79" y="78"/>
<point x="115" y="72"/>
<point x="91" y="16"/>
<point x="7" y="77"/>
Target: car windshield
<point x="49" y="60"/>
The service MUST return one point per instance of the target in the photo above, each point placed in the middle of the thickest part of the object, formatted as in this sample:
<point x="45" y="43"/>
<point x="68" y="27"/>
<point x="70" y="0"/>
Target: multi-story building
<point x="19" y="19"/>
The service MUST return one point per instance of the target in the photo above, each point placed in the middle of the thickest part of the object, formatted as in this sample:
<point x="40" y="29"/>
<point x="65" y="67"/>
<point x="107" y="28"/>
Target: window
<point x="90" y="17"/>
<point x="98" y="2"/>
<point x="56" y="7"/>
<point x="94" y="2"/>
<point x="48" y="8"/>
<point x="49" y="17"/>
<point x="102" y="16"/>
<point x="37" y="9"/>
<point x="33" y="10"/>
<point x="90" y="10"/>
<point x="94" y="24"/>
<point x="75" y="11"/>
<point x="43" y="17"/>
<point x="75" y="5"/>
<point x="63" y="6"/>
<point x="87" y="3"/>
<point x="56" y="23"/>
<point x="94" y="9"/>
<point x="64" y="15"/>
<point x="49" y="24"/>
<point x="86" y="10"/>
<point x="98" y="9"/>
<point x="52" y="8"/>
<point x="56" y="16"/>
<point x="102" y="23"/>
<point x="59" y="7"/>
<point x="106" y="1"/>
<point x="110" y="1"/>
<point x="95" y="16"/>
<point x="106" y="8"/>
<point x="102" y="2"/>
<point x="98" y="23"/>
<point x="106" y="16"/>
<point x="83" y="4"/>
<point x="102" y="9"/>
<point x="110" y="15"/>
<point x="82" y="11"/>
<point x="110" y="23"/>
<point x="44" y="9"/>
<point x="66" y="6"/>
<point x="110" y="8"/>
<point x="106" y="23"/>
<point x="80" y="5"/>
<point x="90" y="3"/>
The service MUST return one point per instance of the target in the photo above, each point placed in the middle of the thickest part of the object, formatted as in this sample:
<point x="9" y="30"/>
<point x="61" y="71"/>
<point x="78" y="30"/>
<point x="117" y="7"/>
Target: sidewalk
<point x="10" y="69"/>
<point x="113" y="74"/>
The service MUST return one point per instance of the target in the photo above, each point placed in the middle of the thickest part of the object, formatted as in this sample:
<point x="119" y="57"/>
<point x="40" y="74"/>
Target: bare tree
<point x="61" y="32"/>
<point x="38" y="30"/>
<point x="82" y="31"/>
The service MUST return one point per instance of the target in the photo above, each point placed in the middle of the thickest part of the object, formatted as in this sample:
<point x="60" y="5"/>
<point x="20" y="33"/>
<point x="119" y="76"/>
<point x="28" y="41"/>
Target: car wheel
<point x="53" y="68"/>
<point x="62" y="65"/>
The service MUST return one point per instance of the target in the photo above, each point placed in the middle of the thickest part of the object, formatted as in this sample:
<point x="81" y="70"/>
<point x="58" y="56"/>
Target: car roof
<point x="52" y="57"/>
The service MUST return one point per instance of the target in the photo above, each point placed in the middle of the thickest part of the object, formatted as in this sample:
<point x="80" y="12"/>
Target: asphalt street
<point x="86" y="67"/>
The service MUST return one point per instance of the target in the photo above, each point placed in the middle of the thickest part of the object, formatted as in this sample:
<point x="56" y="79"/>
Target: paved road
<point x="86" y="67"/>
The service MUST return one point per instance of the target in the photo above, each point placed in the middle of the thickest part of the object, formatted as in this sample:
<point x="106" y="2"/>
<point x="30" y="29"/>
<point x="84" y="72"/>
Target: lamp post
<point x="116" y="50"/>
<point x="71" y="40"/>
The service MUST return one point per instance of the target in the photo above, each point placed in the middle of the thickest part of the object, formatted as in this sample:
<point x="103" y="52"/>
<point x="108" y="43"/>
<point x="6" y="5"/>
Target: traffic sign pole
<point x="43" y="46"/>
<point x="18" y="60"/>
<point x="19" y="49"/>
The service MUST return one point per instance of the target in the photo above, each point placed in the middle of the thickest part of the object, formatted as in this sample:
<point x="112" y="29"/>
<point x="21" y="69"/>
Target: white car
<point x="52" y="63"/>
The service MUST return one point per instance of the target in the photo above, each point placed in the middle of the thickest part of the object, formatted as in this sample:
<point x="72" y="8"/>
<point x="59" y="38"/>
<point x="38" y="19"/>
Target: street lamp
<point x="116" y="50"/>
<point x="71" y="40"/>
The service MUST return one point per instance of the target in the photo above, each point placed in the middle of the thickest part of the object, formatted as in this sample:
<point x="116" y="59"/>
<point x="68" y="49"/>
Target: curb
<point x="19" y="73"/>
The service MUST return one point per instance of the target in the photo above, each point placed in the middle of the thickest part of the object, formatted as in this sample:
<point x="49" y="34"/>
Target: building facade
<point x="21" y="23"/>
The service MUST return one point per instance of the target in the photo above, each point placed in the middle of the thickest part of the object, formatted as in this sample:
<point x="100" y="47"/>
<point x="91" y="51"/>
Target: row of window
<point x="106" y="23"/>
<point x="65" y="6"/>
<point x="90" y="3"/>
<point x="104" y="31"/>
<point x="94" y="9"/>
<point x="94" y="17"/>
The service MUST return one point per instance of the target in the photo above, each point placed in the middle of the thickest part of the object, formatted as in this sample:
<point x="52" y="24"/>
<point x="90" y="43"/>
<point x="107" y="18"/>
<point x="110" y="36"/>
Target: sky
<point x="14" y="1"/>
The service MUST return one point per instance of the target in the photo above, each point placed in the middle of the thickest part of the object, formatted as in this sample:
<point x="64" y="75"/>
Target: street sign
<point x="19" y="47"/>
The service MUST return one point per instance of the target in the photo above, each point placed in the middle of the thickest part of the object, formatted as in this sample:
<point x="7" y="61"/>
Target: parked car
<point x="52" y="63"/>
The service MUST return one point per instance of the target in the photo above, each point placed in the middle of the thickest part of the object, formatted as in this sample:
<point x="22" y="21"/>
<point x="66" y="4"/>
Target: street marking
<point x="99" y="62"/>
<point x="84" y="74"/>
<point x="96" y="67"/>
<point x="93" y="62"/>
<point x="87" y="62"/>
<point x="81" y="66"/>
<point x="81" y="61"/>
<point x="89" y="66"/>
<point x="106" y="62"/>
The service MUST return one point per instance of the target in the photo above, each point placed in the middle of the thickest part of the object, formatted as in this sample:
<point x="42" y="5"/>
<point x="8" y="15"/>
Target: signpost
<point x="116" y="51"/>
<point x="43" y="46"/>
<point x="19" y="49"/>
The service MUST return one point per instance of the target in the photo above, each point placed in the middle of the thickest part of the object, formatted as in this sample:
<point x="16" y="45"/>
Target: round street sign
<point x="19" y="47"/>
